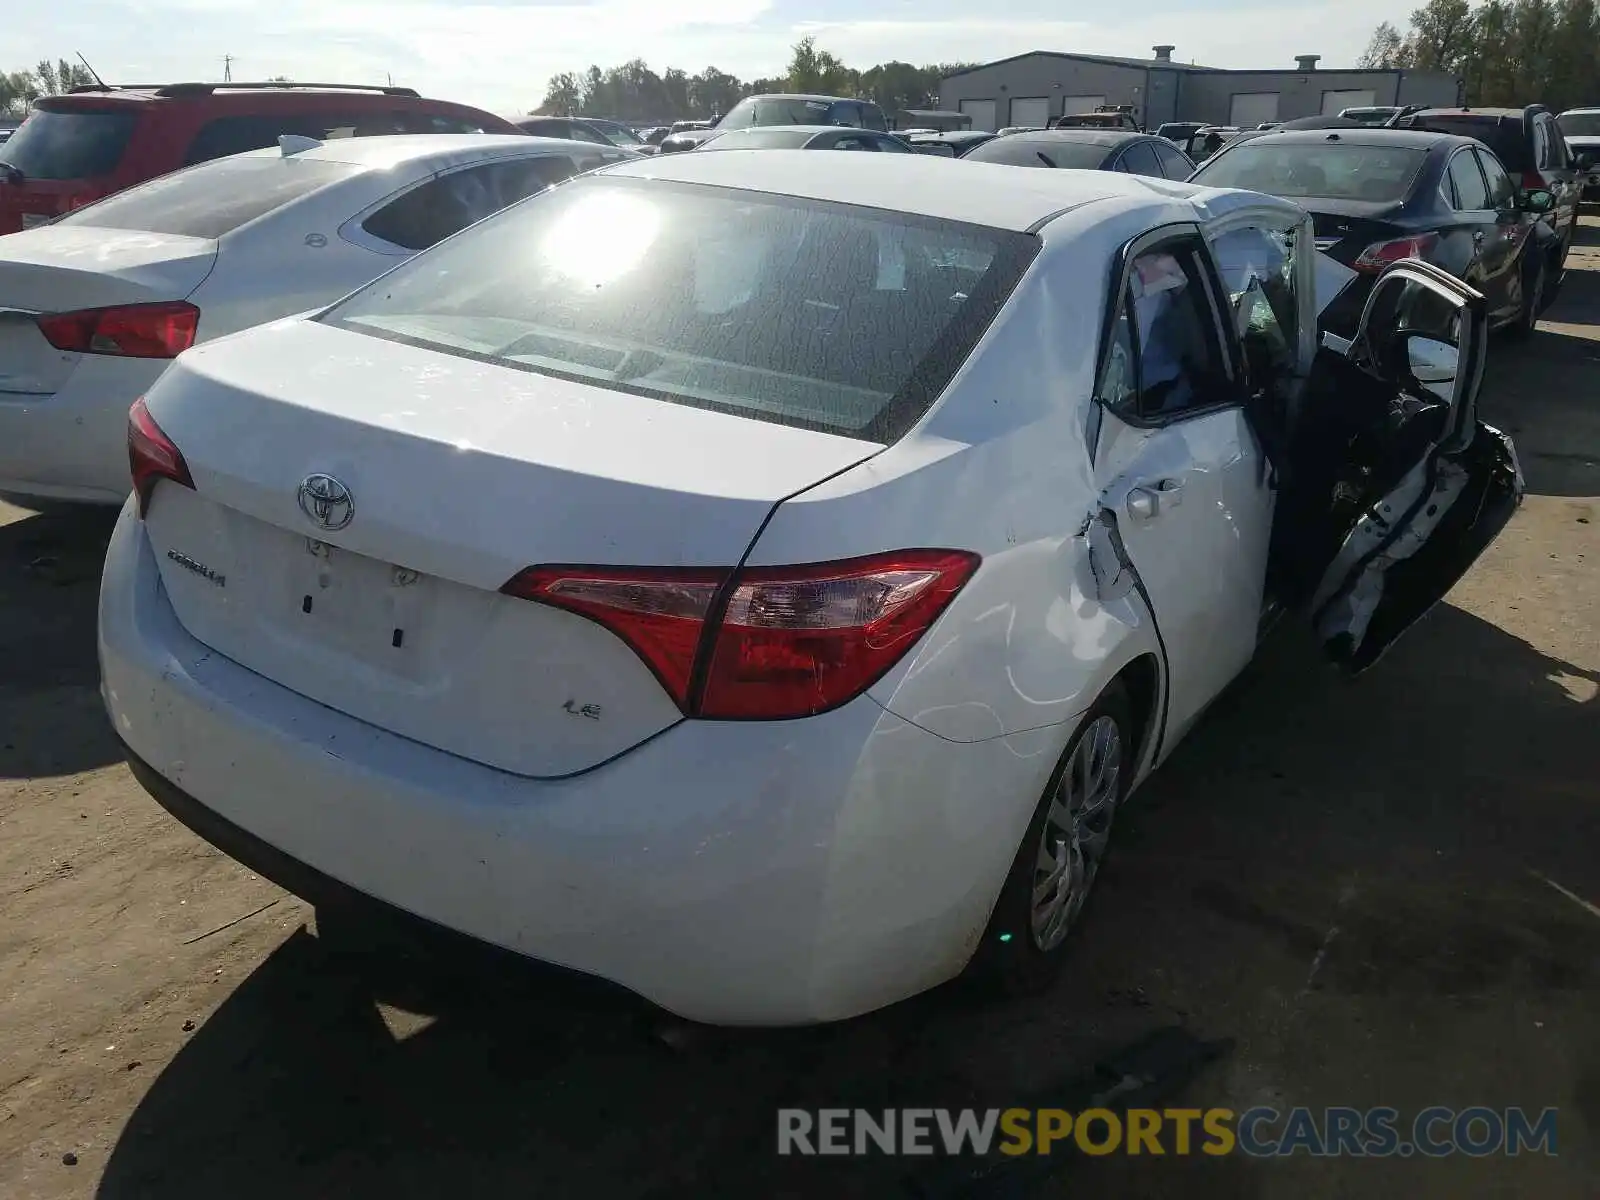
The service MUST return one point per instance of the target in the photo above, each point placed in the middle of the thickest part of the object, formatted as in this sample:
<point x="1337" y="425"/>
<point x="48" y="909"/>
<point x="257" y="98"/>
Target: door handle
<point x="1148" y="501"/>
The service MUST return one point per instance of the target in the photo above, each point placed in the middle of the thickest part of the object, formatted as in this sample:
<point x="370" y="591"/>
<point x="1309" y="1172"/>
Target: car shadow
<point x="51" y="720"/>
<point x="1539" y="391"/>
<point x="305" y="1082"/>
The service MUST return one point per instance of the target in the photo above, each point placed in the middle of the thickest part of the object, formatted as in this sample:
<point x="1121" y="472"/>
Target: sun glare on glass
<point x="601" y="238"/>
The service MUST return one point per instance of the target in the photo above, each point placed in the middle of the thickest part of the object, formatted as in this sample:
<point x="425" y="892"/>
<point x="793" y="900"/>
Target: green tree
<point x="593" y="98"/>
<point x="713" y="92"/>
<point x="675" y="87"/>
<point x="1387" y="49"/>
<point x="18" y="90"/>
<point x="895" y="85"/>
<point x="62" y="77"/>
<point x="1443" y="36"/>
<point x="1573" y="58"/>
<point x="1491" y="74"/>
<point x="818" y="71"/>
<point x="563" y="97"/>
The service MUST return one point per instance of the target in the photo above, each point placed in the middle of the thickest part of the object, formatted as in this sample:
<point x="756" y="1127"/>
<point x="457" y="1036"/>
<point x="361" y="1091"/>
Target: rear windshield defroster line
<point x="812" y="314"/>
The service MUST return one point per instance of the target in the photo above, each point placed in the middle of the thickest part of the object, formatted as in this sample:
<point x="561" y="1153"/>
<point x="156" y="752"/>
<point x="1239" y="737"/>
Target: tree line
<point x="1507" y="52"/>
<point x="634" y="92"/>
<point x="19" y="89"/>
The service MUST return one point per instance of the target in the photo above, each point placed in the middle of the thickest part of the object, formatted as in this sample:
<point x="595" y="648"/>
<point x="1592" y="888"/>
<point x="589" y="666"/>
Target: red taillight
<point x="1380" y="254"/>
<point x="789" y="641"/>
<point x="151" y="455"/>
<point x="161" y="330"/>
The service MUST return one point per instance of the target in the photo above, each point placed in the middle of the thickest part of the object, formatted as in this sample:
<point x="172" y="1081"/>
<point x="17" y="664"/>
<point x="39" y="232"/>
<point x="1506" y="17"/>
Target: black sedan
<point x="951" y="144"/>
<point x="1086" y="149"/>
<point x="1380" y="195"/>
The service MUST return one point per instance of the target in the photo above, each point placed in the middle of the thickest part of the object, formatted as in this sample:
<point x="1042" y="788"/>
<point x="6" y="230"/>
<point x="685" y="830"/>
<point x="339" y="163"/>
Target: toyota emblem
<point x="326" y="502"/>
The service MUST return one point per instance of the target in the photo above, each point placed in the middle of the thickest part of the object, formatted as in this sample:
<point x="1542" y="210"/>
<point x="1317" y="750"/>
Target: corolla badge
<point x="326" y="501"/>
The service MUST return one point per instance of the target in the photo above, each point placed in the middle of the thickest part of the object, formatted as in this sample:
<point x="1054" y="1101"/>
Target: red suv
<point x="78" y="147"/>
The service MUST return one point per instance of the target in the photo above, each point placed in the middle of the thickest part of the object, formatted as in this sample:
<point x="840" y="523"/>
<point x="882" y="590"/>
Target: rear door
<point x="1561" y="176"/>
<point x="1473" y="246"/>
<point x="1182" y="474"/>
<point x="1447" y="483"/>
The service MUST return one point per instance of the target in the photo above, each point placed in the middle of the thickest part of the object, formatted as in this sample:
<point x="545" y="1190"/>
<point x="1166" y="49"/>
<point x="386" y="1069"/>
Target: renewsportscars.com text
<point x="1435" y="1132"/>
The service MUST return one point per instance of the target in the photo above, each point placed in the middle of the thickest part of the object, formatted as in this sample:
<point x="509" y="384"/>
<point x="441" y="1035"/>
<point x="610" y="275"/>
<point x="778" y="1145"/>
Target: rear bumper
<point x="736" y="873"/>
<point x="73" y="445"/>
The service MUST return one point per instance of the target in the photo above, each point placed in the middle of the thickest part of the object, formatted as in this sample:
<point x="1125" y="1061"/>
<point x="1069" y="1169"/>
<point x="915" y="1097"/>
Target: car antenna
<point x="1044" y="158"/>
<point x="91" y="70"/>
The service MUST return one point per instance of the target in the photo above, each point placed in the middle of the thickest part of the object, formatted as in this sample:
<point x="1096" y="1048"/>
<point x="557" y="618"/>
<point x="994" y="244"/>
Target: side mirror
<point x="1538" y="201"/>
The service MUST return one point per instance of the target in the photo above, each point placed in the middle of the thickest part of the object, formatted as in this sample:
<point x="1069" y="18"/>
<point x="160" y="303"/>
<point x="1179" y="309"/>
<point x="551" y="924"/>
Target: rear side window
<point x="421" y="122"/>
<point x="435" y="210"/>
<point x="69" y="143"/>
<point x="212" y="199"/>
<point x="235" y="135"/>
<point x="801" y="313"/>
<point x="1472" y="194"/>
<point x="1173" y="164"/>
<point x="1140" y="159"/>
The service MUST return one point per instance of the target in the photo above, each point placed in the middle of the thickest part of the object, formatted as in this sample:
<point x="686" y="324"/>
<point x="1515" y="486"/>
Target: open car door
<point x="1396" y="487"/>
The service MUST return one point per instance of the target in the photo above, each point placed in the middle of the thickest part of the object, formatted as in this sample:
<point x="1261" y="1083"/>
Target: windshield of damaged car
<point x="1373" y="173"/>
<point x="811" y="314"/>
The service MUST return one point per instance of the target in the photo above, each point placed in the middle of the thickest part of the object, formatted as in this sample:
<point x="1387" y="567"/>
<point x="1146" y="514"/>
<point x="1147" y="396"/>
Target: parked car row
<point x="646" y="580"/>
<point x="626" y="562"/>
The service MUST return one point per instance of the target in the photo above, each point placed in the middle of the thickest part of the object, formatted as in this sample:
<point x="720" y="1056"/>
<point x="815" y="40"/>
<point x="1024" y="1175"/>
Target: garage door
<point x="981" y="112"/>
<point x="1250" y="109"/>
<point x="1080" y="104"/>
<point x="1333" y="102"/>
<point x="1032" y="112"/>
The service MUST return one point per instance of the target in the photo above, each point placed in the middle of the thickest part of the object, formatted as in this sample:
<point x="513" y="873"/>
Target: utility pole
<point x="227" y="68"/>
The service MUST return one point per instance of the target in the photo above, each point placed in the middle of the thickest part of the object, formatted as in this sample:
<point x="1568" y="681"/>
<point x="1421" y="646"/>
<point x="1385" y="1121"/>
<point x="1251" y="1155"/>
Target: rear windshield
<point x="1037" y="152"/>
<point x="1579" y="124"/>
<point x="1504" y="137"/>
<point x="213" y="198"/>
<point x="819" y="316"/>
<point x="763" y="139"/>
<point x="1372" y="173"/>
<point x="782" y="110"/>
<point x="70" y="144"/>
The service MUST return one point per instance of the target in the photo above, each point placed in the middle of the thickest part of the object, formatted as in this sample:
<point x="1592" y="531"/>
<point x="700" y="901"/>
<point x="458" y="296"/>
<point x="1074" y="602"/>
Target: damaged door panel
<point x="1396" y="487"/>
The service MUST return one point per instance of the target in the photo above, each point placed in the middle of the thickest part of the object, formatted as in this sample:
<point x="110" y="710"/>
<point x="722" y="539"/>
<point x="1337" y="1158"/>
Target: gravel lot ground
<point x="1356" y="881"/>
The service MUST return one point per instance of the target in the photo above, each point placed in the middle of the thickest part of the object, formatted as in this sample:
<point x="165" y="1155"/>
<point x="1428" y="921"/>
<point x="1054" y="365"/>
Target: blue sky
<point x="499" y="53"/>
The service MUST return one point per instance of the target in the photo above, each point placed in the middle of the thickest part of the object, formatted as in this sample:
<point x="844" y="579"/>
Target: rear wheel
<point x="1533" y="290"/>
<point x="1048" y="888"/>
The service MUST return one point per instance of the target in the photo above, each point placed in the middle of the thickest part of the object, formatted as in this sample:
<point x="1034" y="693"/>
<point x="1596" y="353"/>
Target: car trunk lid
<point x="458" y="474"/>
<point x="62" y="268"/>
<point x="1344" y="228"/>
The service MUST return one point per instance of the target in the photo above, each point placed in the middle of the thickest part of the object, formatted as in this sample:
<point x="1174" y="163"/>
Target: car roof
<point x="758" y="129"/>
<point x="442" y="149"/>
<point x="1418" y="139"/>
<point x="991" y="194"/>
<point x="1579" y="111"/>
<point x="798" y="96"/>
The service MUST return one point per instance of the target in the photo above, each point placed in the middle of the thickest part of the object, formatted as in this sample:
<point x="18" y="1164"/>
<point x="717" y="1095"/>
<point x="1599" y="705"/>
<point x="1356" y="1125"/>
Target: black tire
<point x="1534" y="288"/>
<point x="1012" y="957"/>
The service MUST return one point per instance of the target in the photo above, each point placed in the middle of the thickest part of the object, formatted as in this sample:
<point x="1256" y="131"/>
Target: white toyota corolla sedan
<point x="95" y="305"/>
<point x="757" y="579"/>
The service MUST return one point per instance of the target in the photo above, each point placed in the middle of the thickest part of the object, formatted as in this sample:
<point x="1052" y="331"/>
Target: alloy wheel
<point x="1077" y="828"/>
